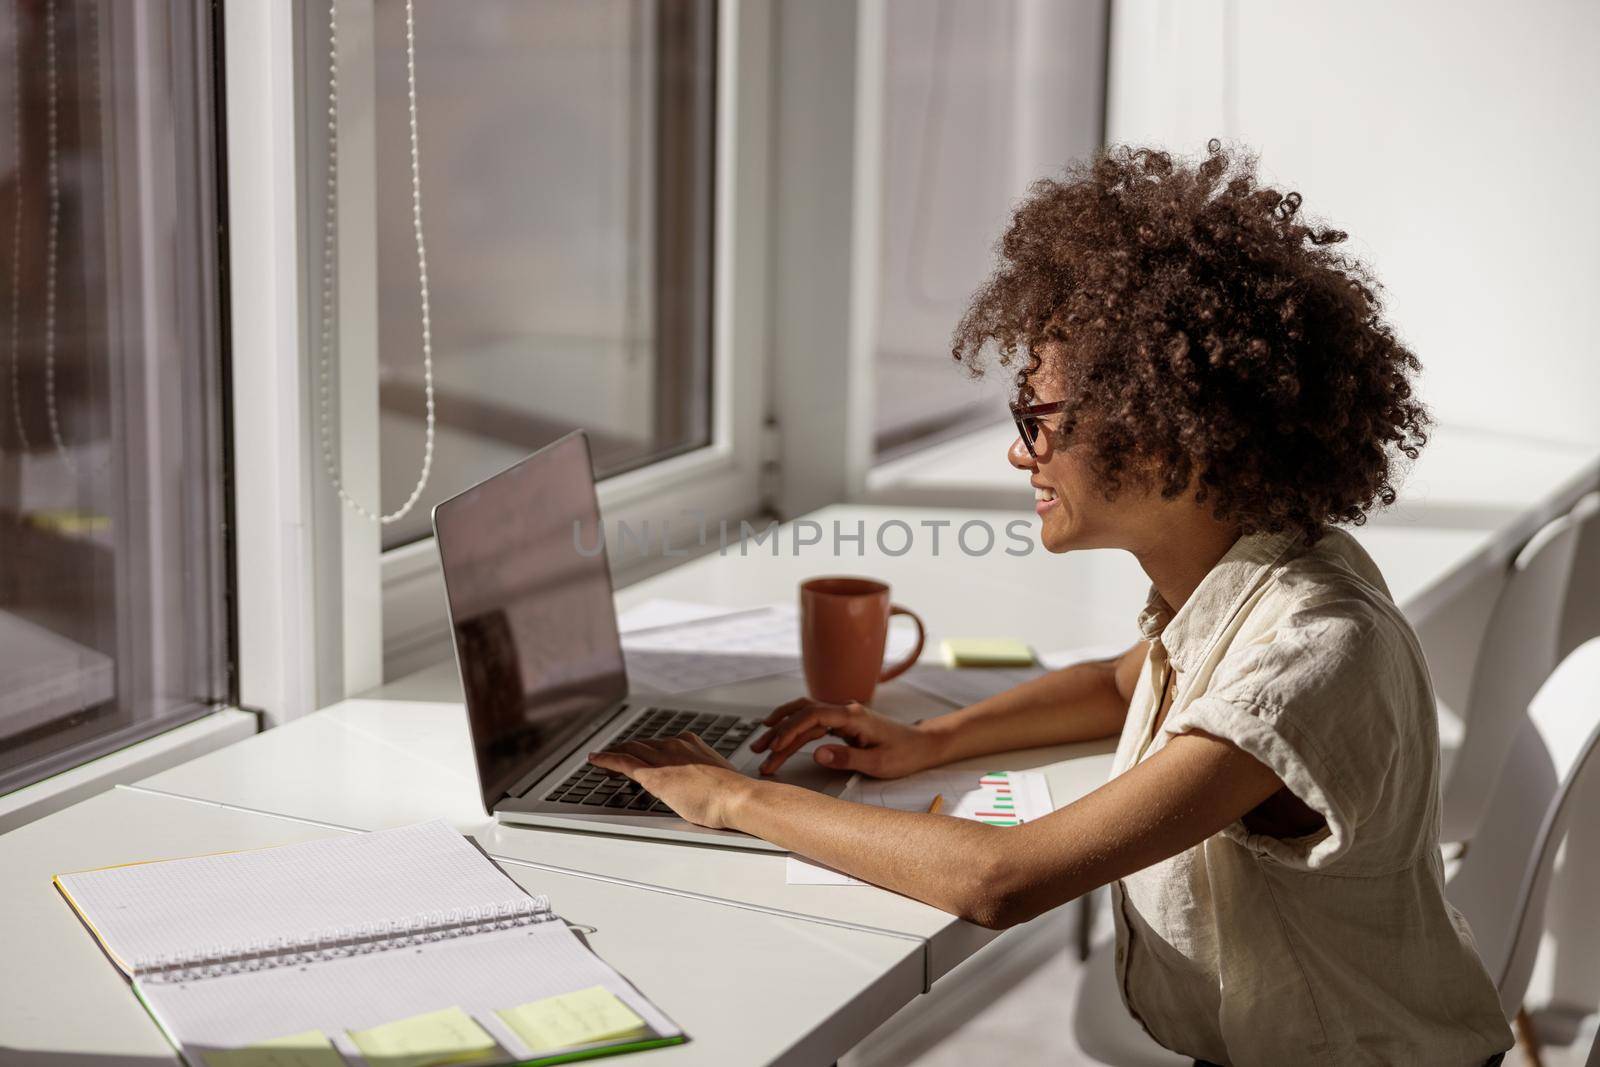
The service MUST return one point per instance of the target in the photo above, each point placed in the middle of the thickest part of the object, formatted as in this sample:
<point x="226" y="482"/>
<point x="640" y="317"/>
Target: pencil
<point x="938" y="802"/>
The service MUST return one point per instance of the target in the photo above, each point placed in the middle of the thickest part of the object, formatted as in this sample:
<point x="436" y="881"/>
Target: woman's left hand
<point x="683" y="772"/>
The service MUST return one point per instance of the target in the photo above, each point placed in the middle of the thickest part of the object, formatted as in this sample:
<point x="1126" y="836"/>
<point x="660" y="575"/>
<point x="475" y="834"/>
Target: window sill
<point x="141" y="760"/>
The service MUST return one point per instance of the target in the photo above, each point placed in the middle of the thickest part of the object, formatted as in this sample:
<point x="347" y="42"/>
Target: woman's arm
<point x="1079" y="703"/>
<point x="995" y="876"/>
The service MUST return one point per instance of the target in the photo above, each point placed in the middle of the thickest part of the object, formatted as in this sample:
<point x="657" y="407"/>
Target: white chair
<point x="1104" y="1030"/>
<point x="1526" y="821"/>
<point x="1516" y="655"/>
<point x="1503" y="882"/>
<point x="1580" y="615"/>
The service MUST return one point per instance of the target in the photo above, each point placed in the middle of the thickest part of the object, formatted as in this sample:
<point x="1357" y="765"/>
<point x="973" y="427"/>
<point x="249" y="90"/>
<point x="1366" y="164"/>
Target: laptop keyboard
<point x="590" y="787"/>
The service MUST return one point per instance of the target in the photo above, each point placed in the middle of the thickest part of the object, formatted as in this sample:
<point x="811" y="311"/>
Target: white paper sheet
<point x="698" y="653"/>
<point x="1066" y="657"/>
<point x="961" y="687"/>
<point x="1002" y="798"/>
<point x="663" y="612"/>
<point x="964" y="686"/>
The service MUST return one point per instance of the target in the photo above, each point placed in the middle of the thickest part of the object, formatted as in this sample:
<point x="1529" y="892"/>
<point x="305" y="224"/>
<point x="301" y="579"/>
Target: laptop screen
<point x="530" y="605"/>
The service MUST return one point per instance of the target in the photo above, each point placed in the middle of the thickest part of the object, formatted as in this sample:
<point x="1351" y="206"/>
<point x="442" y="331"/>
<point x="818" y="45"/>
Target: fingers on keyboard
<point x="595" y="788"/>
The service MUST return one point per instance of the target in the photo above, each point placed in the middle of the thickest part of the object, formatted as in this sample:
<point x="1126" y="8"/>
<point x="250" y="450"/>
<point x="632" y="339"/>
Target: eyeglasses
<point x="1029" y="426"/>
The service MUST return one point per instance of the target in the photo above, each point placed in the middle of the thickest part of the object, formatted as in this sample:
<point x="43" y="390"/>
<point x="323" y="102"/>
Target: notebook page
<point x="480" y="974"/>
<point x="294" y="892"/>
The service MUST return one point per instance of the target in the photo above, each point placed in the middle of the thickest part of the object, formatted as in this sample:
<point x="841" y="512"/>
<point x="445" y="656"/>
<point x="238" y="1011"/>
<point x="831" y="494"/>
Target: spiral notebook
<point x="398" y="948"/>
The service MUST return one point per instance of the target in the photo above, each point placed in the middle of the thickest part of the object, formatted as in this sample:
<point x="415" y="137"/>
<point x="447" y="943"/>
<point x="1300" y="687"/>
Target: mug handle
<point x="904" y="665"/>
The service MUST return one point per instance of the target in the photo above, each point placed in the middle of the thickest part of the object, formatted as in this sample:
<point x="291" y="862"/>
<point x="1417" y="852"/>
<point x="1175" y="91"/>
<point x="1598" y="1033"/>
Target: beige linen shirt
<point x="1335" y="947"/>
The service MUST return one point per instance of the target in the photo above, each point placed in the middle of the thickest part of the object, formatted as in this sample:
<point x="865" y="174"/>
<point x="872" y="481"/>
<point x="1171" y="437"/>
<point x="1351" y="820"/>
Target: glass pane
<point x="981" y="97"/>
<point x="112" y="575"/>
<point x="566" y="174"/>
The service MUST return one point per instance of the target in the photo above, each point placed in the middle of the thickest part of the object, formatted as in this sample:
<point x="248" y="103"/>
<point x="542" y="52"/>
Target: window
<point x="567" y="165"/>
<point x="113" y="572"/>
<point x="980" y="98"/>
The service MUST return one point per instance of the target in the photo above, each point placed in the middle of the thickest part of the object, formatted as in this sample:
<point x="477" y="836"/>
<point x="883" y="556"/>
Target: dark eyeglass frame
<point x="1027" y="417"/>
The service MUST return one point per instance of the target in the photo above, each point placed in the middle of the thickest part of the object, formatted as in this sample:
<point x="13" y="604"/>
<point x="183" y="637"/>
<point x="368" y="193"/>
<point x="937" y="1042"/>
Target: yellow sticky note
<point x="439" y="1037"/>
<point x="586" y="1017"/>
<point x="985" y="652"/>
<point x="310" y="1049"/>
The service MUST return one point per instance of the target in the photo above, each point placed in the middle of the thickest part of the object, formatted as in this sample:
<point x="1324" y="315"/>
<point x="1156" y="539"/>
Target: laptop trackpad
<point x="802" y="769"/>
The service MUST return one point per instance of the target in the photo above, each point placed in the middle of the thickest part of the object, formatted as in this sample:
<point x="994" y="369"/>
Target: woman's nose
<point x="1018" y="455"/>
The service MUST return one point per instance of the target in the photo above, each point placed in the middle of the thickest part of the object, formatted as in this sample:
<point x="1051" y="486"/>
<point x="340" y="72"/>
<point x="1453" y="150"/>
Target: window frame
<point x="377" y="615"/>
<point x="720" y="480"/>
<point x="320" y="611"/>
<point x="145" y="299"/>
<point x="796" y="209"/>
<point x="276" y="638"/>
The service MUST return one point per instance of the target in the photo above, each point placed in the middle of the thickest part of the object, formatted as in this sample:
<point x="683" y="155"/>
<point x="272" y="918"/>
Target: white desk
<point x="371" y="764"/>
<point x="1499" y="486"/>
<point x="747" y="987"/>
<point x="1465" y="478"/>
<point x="756" y="970"/>
<point x="403" y="755"/>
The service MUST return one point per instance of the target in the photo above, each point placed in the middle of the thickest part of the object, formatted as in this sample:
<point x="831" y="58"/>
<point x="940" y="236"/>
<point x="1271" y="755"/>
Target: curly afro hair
<point x="1209" y="340"/>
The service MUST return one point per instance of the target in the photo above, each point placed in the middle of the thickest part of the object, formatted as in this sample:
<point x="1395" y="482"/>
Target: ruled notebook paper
<point x="481" y="975"/>
<point x="293" y="892"/>
<point x="430" y="923"/>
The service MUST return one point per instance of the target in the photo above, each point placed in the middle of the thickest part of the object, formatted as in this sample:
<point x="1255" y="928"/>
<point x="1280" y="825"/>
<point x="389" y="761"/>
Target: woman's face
<point x="1073" y="513"/>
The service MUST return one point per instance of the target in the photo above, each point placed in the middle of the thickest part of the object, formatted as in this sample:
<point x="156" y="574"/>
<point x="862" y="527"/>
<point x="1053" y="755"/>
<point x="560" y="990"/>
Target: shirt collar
<point x="1188" y="632"/>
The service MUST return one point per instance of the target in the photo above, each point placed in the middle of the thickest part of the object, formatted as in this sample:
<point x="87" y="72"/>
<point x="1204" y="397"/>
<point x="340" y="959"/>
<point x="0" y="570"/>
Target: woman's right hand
<point x="876" y="745"/>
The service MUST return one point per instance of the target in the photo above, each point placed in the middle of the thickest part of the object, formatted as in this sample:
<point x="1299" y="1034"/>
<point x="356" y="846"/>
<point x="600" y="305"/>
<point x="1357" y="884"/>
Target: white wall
<point x="1453" y="139"/>
<point x="980" y="99"/>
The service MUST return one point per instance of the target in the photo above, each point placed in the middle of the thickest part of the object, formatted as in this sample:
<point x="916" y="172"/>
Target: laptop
<point x="541" y="664"/>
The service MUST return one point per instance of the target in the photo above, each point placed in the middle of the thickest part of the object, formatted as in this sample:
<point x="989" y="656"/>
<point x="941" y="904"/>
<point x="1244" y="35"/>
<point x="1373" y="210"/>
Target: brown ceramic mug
<point x="844" y="627"/>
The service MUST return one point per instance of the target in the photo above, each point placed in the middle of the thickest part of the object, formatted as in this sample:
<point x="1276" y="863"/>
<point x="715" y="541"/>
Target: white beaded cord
<point x="53" y="228"/>
<point x="330" y="242"/>
<point x="52" y="232"/>
<point x="16" y="224"/>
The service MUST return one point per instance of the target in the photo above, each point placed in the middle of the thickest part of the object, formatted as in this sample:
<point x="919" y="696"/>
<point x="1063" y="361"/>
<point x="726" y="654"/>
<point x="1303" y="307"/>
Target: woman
<point x="1207" y="384"/>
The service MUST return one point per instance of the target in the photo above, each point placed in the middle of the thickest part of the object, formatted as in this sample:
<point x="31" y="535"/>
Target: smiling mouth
<point x="1043" y="499"/>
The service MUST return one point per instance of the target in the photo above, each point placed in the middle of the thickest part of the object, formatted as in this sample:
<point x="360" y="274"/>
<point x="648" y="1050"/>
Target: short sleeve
<point x="1331" y="701"/>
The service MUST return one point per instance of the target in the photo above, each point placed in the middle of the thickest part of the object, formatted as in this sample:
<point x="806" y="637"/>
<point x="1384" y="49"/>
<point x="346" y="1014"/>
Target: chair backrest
<point x="1504" y="879"/>
<point x="1517" y="654"/>
<point x="1580" y="614"/>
